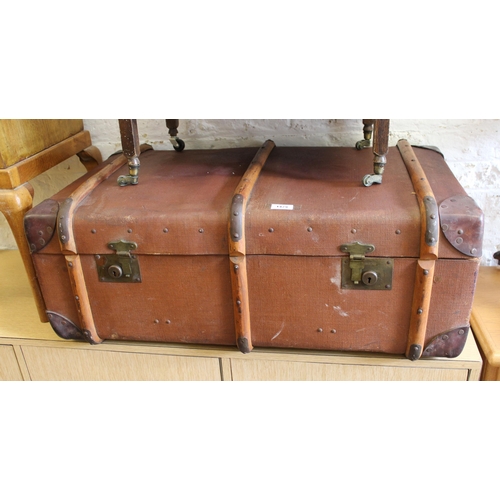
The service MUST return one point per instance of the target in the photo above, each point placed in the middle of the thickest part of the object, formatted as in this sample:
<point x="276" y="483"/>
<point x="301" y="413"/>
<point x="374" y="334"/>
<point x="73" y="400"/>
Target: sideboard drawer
<point x="53" y="363"/>
<point x="9" y="367"/>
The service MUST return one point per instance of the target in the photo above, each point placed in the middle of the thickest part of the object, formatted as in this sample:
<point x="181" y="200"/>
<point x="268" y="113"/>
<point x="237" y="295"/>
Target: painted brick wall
<point x="471" y="148"/>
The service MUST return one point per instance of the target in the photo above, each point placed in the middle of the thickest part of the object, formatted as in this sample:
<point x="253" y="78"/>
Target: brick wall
<point x="471" y="148"/>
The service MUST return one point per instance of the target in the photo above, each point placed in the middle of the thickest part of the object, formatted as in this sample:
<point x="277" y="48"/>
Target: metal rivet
<point x="433" y="216"/>
<point x="236" y="267"/>
<point x="63" y="237"/>
<point x="129" y="230"/>
<point x="473" y="251"/>
<point x="309" y="229"/>
<point x="426" y="272"/>
<point x="165" y="230"/>
<point x="40" y="233"/>
<point x="236" y="235"/>
<point x="444" y="206"/>
<point x="70" y="264"/>
<point x="168" y="322"/>
<point x="419" y="311"/>
<point x="453" y="199"/>
<point x="353" y="231"/>
<point x="460" y="231"/>
<point x="200" y="230"/>
<point x="398" y="231"/>
<point x="238" y="302"/>
<point x="33" y="247"/>
<point x="271" y="230"/>
<point x="333" y="330"/>
<point x="461" y="332"/>
<point x="459" y="241"/>
<point x="320" y="330"/>
<point x="157" y="321"/>
<point x="445" y="337"/>
<point x="93" y="231"/>
<point x="388" y="287"/>
<point x="76" y="297"/>
<point x="444" y="227"/>
<point x="236" y="214"/>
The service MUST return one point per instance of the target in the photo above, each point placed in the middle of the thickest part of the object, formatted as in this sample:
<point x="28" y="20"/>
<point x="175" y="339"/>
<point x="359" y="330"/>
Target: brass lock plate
<point x="118" y="269"/>
<point x="375" y="275"/>
<point x="121" y="267"/>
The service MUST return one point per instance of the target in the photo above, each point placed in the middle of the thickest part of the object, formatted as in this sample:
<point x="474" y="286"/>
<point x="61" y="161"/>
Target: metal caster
<point x="365" y="143"/>
<point x="370" y="179"/>
<point x="180" y="145"/>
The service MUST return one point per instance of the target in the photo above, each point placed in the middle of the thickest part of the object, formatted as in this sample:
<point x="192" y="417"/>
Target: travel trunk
<point x="272" y="247"/>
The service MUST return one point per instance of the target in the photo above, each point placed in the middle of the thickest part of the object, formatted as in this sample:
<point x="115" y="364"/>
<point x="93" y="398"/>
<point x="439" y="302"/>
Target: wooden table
<point x="27" y="149"/>
<point x="485" y="320"/>
<point x="30" y="350"/>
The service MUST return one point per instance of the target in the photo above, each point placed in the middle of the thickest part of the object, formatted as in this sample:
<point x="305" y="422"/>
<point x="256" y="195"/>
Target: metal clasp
<point x="357" y="252"/>
<point x="365" y="273"/>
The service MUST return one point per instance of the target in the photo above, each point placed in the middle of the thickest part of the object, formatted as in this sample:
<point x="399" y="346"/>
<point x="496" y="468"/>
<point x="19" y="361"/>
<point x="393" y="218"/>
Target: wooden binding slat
<point x="68" y="245"/>
<point x="429" y="243"/>
<point x="237" y="247"/>
<point x="420" y="308"/>
<point x="77" y="280"/>
<point x="68" y="207"/>
<point x="429" y="229"/>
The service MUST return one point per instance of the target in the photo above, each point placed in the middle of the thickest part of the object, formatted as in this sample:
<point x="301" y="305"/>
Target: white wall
<point x="471" y="149"/>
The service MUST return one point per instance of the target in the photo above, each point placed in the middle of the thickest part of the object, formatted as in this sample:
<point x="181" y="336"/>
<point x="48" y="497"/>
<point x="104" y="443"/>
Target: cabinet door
<point x="9" y="367"/>
<point x="289" y="370"/>
<point x="52" y="363"/>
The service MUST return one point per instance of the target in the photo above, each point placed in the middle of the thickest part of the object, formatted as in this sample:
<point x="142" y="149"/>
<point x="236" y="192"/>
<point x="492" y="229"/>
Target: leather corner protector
<point x="40" y="224"/>
<point x="447" y="345"/>
<point x="64" y="327"/>
<point x="462" y="223"/>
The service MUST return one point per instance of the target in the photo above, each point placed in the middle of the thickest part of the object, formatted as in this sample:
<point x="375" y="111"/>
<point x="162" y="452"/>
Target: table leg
<point x="380" y="150"/>
<point x="367" y="134"/>
<point x="14" y="203"/>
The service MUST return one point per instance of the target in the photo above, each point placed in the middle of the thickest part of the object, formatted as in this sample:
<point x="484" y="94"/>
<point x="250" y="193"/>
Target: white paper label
<point x="276" y="206"/>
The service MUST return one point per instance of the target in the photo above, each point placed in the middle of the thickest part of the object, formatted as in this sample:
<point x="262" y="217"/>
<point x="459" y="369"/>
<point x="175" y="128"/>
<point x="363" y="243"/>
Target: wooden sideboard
<point x="485" y="320"/>
<point x="30" y="350"/>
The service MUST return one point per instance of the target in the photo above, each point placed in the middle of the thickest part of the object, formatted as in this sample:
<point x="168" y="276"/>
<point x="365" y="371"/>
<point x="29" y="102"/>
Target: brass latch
<point x="365" y="273"/>
<point x="121" y="267"/>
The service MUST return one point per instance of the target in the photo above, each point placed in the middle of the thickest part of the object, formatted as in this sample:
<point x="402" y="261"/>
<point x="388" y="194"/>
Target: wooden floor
<point x="30" y="350"/>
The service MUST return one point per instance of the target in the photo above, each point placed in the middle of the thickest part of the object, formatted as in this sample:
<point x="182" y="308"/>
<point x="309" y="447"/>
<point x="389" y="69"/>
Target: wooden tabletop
<point x="485" y="319"/>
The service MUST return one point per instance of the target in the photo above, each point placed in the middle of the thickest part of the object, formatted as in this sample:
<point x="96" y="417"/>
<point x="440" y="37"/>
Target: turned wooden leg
<point x="131" y="149"/>
<point x="380" y="150"/>
<point x="14" y="203"/>
<point x="367" y="134"/>
<point x="90" y="157"/>
<point x="177" y="143"/>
